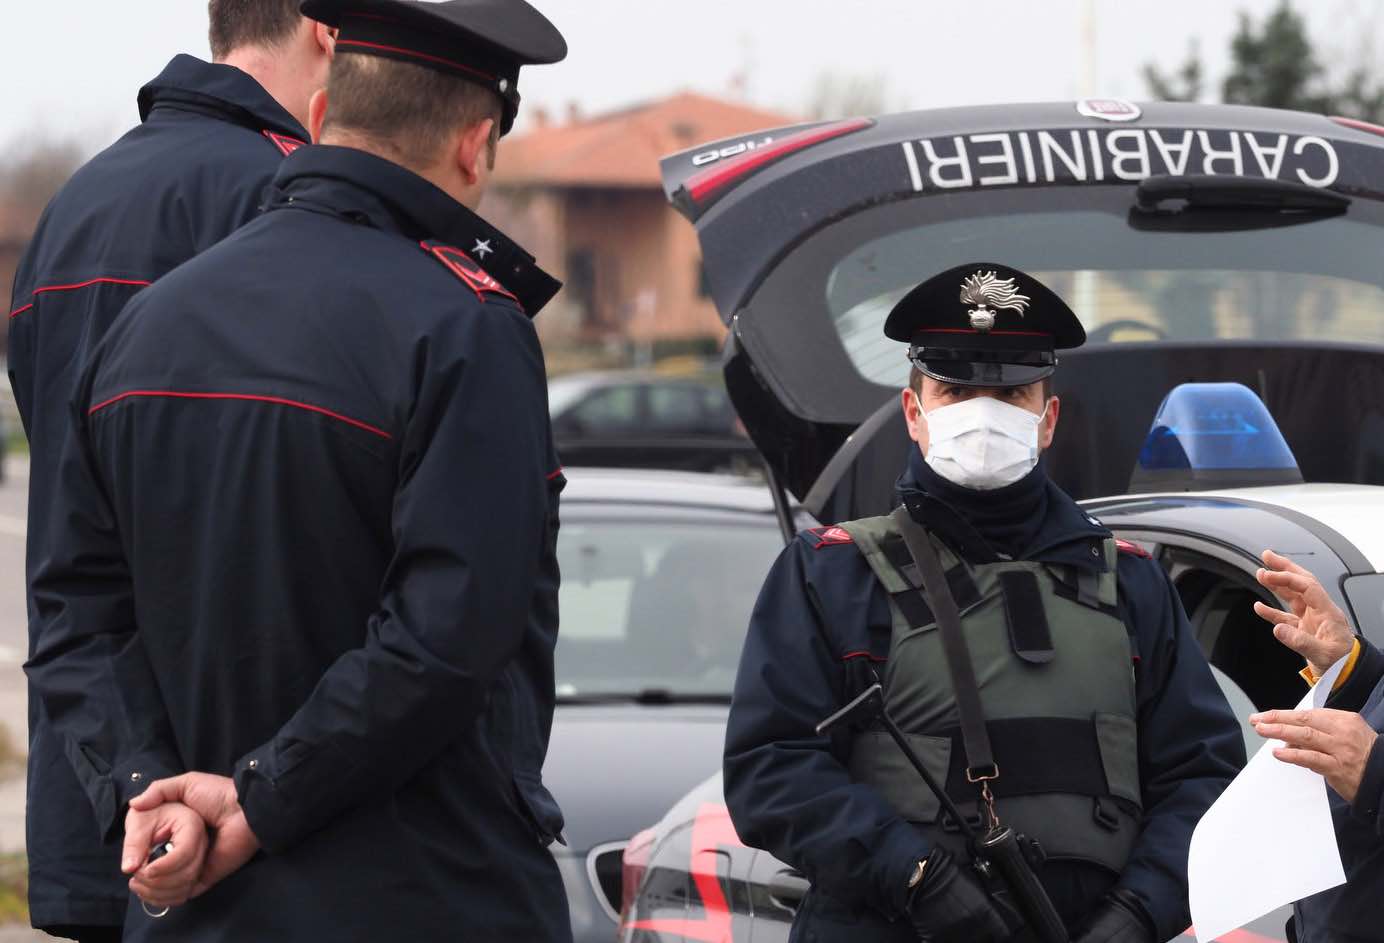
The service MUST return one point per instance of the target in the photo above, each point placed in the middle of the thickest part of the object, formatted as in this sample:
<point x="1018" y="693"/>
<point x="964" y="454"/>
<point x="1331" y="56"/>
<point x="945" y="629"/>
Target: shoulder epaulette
<point x="820" y="537"/>
<point x="465" y="268"/>
<point x="1130" y="547"/>
<point x="286" y="145"/>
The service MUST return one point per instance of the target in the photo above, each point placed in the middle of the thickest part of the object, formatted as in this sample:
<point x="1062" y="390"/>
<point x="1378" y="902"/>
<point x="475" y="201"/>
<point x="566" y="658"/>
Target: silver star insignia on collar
<point x="482" y="248"/>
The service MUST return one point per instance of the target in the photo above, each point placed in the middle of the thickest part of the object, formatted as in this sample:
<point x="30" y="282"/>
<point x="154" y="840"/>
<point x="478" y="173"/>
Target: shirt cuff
<point x="904" y="846"/>
<point x="268" y="811"/>
<point x="1369" y="797"/>
<point x="1311" y="678"/>
<point x="111" y="794"/>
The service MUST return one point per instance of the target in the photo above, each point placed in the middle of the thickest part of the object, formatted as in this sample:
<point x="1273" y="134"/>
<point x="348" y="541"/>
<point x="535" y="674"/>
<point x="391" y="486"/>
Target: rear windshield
<point x="815" y="324"/>
<point x="1317" y="281"/>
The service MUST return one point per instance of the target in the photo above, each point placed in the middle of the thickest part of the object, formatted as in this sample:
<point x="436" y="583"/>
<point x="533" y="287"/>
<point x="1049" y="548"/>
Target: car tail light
<point x="634" y="864"/>
<point x="709" y="183"/>
<point x="1360" y="125"/>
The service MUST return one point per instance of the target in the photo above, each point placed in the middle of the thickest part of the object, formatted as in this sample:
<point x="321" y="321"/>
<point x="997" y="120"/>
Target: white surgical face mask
<point x="982" y="443"/>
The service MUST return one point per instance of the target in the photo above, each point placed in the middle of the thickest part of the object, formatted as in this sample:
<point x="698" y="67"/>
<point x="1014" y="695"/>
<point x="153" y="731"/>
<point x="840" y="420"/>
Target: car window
<point x="1126" y="284"/>
<point x="676" y="409"/>
<point x="563" y="392"/>
<point x="612" y="410"/>
<point x="1366" y="595"/>
<point x="1219" y="600"/>
<point x="1242" y="707"/>
<point x="657" y="604"/>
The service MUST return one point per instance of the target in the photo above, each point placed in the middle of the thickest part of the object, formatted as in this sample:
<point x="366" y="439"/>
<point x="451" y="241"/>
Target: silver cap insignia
<point x="986" y="291"/>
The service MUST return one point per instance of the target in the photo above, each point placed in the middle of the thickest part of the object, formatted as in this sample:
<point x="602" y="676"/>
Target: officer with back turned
<point x="305" y="555"/>
<point x="210" y="138"/>
<point x="1107" y="736"/>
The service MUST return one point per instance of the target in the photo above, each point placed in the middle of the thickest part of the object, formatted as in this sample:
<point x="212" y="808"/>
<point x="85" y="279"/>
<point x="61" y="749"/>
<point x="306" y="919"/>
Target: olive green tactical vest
<point x="1053" y="661"/>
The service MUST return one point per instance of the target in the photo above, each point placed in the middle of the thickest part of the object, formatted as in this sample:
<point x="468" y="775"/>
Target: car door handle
<point x="788" y="888"/>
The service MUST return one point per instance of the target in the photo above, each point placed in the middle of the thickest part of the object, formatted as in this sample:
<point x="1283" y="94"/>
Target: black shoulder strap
<point x="980" y="762"/>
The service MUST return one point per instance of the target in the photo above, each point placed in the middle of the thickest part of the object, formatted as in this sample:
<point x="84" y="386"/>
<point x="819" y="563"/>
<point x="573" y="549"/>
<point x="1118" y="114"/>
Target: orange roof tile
<point x="623" y="148"/>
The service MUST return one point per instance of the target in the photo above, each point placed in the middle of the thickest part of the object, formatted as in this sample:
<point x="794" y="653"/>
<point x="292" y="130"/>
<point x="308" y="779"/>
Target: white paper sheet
<point x="1268" y="840"/>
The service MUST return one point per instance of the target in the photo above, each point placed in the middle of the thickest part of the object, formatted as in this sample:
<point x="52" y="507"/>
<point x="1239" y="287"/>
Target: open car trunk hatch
<point x="807" y="247"/>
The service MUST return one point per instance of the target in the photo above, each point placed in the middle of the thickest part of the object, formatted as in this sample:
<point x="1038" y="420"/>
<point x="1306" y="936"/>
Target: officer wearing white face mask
<point x="1042" y="671"/>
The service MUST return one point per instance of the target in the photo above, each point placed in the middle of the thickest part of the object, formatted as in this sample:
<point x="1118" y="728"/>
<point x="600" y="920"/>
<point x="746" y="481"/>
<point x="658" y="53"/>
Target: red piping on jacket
<point x="556" y="475"/>
<point x="850" y="656"/>
<point x="138" y="283"/>
<point x="275" y="400"/>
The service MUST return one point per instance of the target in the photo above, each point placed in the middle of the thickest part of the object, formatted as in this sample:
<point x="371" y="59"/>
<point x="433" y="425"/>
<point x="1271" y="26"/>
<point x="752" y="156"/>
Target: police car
<point x="1199" y="244"/>
<point x="690" y="875"/>
<point x="660" y="570"/>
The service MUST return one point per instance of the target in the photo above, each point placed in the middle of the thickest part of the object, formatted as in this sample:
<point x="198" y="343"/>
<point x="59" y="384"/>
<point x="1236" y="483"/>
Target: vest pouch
<point x="1064" y="827"/>
<point x="877" y="760"/>
<point x="1118" y="737"/>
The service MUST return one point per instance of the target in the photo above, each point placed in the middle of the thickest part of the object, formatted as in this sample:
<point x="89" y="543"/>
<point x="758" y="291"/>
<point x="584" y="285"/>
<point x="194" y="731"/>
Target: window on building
<point x="580" y="288"/>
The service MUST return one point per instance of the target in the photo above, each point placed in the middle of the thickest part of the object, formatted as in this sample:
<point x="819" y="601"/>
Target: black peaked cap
<point x="484" y="41"/>
<point x="984" y="324"/>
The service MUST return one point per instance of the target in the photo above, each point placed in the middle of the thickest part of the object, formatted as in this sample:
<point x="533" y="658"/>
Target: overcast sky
<point x="72" y="68"/>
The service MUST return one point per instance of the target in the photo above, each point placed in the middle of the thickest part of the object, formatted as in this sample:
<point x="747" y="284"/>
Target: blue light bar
<point x="1213" y="435"/>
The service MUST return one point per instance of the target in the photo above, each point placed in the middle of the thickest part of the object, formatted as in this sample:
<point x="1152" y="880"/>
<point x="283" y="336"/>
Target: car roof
<point x="594" y="378"/>
<point x="1356" y="512"/>
<point x="683" y="489"/>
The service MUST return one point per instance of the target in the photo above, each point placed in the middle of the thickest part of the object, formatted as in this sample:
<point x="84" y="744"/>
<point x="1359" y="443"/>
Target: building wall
<point x="631" y="264"/>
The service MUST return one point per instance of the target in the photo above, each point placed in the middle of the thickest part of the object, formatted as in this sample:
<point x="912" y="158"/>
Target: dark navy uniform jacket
<point x="819" y="634"/>
<point x="1353" y="912"/>
<point x="308" y="540"/>
<point x="194" y="171"/>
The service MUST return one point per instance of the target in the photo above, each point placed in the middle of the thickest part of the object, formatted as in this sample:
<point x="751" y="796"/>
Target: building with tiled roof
<point x="586" y="198"/>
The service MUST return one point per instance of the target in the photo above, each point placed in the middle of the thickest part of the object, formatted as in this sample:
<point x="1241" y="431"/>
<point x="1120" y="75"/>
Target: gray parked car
<point x="660" y="570"/>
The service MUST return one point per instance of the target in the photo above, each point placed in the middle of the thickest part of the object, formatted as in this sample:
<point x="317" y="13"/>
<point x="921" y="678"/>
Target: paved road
<point x="13" y="645"/>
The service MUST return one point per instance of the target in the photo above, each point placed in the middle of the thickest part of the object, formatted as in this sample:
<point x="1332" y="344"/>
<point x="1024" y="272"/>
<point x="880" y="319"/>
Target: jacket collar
<point x="363" y="188"/>
<point x="220" y="90"/>
<point x="1067" y="534"/>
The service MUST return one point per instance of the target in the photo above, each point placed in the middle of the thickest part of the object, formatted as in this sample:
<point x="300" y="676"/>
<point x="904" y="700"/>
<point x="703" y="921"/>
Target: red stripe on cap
<point x="275" y="400"/>
<point x="137" y="283"/>
<point x="417" y="55"/>
<point x="368" y="16"/>
<point x="962" y="330"/>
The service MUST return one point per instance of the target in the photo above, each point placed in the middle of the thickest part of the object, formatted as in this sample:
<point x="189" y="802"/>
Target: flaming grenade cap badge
<point x="987" y="291"/>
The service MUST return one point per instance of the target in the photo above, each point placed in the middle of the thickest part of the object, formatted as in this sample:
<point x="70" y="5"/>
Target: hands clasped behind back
<point x="211" y="838"/>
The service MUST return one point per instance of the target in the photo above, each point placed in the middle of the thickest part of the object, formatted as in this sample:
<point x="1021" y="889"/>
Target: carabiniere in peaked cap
<point x="984" y="324"/>
<point x="484" y="41"/>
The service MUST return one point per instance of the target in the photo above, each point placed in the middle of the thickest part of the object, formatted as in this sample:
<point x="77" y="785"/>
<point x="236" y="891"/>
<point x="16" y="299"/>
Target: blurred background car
<point x="647" y="419"/>
<point x="660" y="570"/>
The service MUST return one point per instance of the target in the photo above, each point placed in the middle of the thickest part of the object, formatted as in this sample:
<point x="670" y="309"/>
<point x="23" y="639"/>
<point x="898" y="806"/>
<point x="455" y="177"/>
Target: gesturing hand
<point x="1316" y="628"/>
<point x="1336" y="744"/>
<point x="214" y="799"/>
<point x="171" y="880"/>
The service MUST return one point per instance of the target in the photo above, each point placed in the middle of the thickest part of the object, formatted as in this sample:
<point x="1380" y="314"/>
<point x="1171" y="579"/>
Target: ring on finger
<point x="155" y="915"/>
